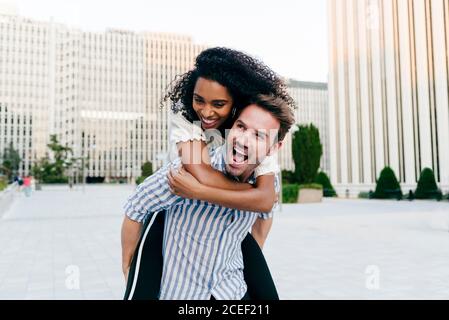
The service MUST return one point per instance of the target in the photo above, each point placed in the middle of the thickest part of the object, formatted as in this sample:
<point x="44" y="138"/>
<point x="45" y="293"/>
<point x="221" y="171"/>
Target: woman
<point x="205" y="102"/>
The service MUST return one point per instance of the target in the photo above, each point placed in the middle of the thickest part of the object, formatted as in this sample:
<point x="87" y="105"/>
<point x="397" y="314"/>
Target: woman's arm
<point x="260" y="198"/>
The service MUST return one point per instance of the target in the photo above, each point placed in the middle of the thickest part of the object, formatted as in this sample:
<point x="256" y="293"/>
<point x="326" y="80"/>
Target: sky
<point x="290" y="36"/>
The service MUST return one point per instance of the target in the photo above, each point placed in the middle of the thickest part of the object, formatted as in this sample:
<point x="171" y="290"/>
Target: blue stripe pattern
<point x="202" y="241"/>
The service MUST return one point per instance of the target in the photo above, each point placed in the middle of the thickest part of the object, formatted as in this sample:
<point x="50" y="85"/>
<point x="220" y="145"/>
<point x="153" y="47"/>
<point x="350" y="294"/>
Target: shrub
<point x="95" y="179"/>
<point x="288" y="177"/>
<point x="307" y="151"/>
<point x="147" y="170"/>
<point x="139" y="180"/>
<point x="290" y="193"/>
<point x="427" y="187"/>
<point x="387" y="185"/>
<point x="328" y="189"/>
<point x="3" y="184"/>
<point x="55" y="179"/>
<point x="310" y="186"/>
<point x="364" y="195"/>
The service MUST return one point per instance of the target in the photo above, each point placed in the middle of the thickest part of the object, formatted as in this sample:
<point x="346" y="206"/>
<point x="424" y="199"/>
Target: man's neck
<point x="245" y="176"/>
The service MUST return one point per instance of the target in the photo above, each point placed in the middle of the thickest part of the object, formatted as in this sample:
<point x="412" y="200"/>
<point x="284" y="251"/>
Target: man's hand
<point x="183" y="184"/>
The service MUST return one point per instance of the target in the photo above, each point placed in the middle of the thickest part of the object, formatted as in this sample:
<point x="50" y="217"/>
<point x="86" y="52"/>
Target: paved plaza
<point x="65" y="244"/>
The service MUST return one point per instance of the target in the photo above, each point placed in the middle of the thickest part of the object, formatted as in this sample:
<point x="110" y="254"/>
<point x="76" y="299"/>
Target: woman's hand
<point x="183" y="184"/>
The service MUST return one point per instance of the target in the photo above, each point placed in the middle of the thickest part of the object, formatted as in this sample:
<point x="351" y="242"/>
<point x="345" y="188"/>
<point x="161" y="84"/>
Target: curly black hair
<point x="244" y="76"/>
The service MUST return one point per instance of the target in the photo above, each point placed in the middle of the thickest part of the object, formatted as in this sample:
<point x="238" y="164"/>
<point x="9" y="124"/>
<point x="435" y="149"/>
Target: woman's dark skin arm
<point x="195" y="159"/>
<point x="221" y="190"/>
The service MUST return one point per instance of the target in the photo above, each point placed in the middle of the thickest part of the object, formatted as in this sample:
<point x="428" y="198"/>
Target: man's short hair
<point x="279" y="108"/>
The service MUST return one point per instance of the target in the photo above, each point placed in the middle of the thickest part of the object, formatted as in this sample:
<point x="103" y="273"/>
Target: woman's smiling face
<point x="212" y="103"/>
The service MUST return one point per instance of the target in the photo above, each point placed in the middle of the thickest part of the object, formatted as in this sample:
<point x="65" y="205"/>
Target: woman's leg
<point x="256" y="272"/>
<point x="145" y="273"/>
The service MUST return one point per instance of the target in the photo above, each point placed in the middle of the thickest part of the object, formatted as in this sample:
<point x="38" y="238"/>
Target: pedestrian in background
<point x="27" y="186"/>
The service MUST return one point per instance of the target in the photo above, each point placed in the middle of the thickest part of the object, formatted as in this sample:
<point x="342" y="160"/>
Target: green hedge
<point x="288" y="177"/>
<point x="311" y="186"/>
<point x="140" y="179"/>
<point x="3" y="184"/>
<point x="55" y="179"/>
<point x="290" y="193"/>
<point x="364" y="194"/>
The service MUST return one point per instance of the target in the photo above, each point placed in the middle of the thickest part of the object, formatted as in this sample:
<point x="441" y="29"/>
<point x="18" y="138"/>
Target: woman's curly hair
<point x="244" y="76"/>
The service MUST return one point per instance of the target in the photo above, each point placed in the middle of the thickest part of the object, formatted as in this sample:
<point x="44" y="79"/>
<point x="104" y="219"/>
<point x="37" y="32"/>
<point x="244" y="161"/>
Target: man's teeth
<point x="239" y="155"/>
<point x="240" y="151"/>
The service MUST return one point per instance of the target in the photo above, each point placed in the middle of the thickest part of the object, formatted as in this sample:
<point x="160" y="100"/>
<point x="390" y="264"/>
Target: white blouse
<point x="182" y="130"/>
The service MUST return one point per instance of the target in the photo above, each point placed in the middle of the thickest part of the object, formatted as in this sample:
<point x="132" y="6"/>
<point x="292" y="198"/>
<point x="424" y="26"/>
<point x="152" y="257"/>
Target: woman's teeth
<point x="209" y="121"/>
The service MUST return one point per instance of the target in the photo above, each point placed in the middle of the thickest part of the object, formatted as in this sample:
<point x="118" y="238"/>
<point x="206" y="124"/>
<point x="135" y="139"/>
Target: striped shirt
<point x="202" y="241"/>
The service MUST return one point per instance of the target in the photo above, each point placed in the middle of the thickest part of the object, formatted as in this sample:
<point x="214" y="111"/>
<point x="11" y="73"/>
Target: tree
<point x="11" y="161"/>
<point x="307" y="152"/>
<point x="49" y="170"/>
<point x="288" y="177"/>
<point x="427" y="186"/>
<point x="387" y="185"/>
<point x="41" y="169"/>
<point x="328" y="189"/>
<point x="60" y="154"/>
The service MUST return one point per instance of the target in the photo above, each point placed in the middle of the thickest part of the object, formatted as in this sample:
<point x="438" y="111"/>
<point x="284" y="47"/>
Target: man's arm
<point x="263" y="224"/>
<point x="130" y="236"/>
<point x="260" y="230"/>
<point x="152" y="195"/>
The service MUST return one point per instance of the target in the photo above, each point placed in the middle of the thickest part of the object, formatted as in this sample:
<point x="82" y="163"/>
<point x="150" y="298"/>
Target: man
<point x="202" y="256"/>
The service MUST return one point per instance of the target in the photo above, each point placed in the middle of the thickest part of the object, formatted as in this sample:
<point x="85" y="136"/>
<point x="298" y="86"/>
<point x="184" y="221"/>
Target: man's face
<point x="252" y="137"/>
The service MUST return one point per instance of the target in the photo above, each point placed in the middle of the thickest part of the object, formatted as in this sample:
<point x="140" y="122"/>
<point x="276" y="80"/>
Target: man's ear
<point x="274" y="148"/>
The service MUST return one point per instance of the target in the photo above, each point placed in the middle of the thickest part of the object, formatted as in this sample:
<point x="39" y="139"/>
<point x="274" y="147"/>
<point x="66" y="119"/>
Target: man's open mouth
<point x="239" y="154"/>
